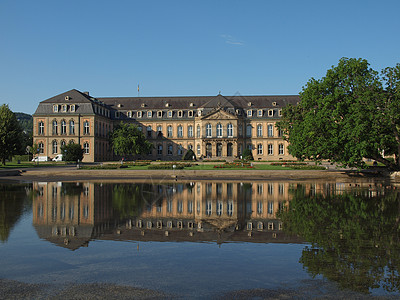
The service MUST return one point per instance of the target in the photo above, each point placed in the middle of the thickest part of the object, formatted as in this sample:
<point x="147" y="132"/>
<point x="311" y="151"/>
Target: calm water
<point x="204" y="239"/>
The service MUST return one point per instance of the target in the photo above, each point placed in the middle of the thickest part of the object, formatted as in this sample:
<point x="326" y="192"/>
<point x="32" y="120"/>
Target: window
<point x="129" y="114"/>
<point x="72" y="108"/>
<point x="180" y="114"/>
<point x="190" y="131"/>
<point x="170" y="114"/>
<point x="270" y="130"/>
<point x="159" y="149"/>
<point x="63" y="127"/>
<point x="149" y="114"/>
<point x="198" y="131"/>
<point x="159" y="114"/>
<point x="86" y="148"/>
<point x="169" y="131"/>
<point x="281" y="149"/>
<point x="41" y="148"/>
<point x="140" y="128"/>
<point x="270" y="207"/>
<point x="55" y="108"/>
<point x="41" y="127"/>
<point x="208" y="130"/>
<point x="230" y="130"/>
<point x="219" y="130"/>
<point x="190" y="147"/>
<point x="270" y="149"/>
<point x="55" y="147"/>
<point x="180" y="150"/>
<point x="249" y="113"/>
<point x="248" y="130"/>
<point x="55" y="127"/>
<point x="240" y="130"/>
<point x="180" y="131"/>
<point x="259" y="130"/>
<point x="280" y="112"/>
<point x="230" y="208"/>
<point x="159" y="131"/>
<point x="169" y="149"/>
<point x="270" y="113"/>
<point x="149" y="131"/>
<point x="117" y="114"/>
<point x="139" y="114"/>
<point x="260" y="113"/>
<point x="259" y="149"/>
<point x="280" y="133"/>
<point x="198" y="150"/>
<point x="190" y="113"/>
<point x="219" y="208"/>
<point x="208" y="208"/>
<point x="63" y="143"/>
<point x="64" y="108"/>
<point x="86" y="127"/>
<point x="260" y="189"/>
<point x="259" y="207"/>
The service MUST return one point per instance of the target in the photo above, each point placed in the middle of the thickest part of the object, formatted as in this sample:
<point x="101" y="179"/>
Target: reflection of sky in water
<point x="188" y="268"/>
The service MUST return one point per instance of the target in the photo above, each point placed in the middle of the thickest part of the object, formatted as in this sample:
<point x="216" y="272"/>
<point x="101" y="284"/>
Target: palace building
<point x="216" y="127"/>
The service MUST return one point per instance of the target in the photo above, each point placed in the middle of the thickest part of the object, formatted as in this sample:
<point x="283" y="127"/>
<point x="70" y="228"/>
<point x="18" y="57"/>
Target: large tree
<point x="127" y="139"/>
<point x="10" y="134"/>
<point x="72" y="152"/>
<point x="350" y="114"/>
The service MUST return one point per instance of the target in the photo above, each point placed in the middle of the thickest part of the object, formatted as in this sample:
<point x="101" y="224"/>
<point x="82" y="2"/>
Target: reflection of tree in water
<point x="354" y="237"/>
<point x="12" y="207"/>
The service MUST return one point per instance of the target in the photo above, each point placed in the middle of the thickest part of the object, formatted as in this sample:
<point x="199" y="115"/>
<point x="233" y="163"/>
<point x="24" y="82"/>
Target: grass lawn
<point x="211" y="167"/>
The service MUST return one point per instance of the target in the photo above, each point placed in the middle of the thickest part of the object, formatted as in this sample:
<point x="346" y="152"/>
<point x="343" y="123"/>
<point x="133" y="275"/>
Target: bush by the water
<point x="169" y="166"/>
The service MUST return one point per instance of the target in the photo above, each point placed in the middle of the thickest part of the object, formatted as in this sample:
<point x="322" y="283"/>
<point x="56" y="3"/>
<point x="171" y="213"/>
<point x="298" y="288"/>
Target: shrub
<point x="189" y="155"/>
<point x="248" y="154"/>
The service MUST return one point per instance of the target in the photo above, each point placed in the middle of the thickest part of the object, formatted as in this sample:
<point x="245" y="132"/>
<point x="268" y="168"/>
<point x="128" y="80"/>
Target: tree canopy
<point x="350" y="114"/>
<point x="72" y="152"/>
<point x="127" y="139"/>
<point x="11" y="135"/>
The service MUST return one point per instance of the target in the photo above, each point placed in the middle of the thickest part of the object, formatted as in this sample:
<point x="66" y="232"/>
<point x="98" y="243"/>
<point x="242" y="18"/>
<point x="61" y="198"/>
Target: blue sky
<point x="184" y="48"/>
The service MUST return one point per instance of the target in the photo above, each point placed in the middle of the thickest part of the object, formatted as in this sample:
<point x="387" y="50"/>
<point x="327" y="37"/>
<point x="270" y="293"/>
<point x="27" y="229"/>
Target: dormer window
<point x="280" y="112"/>
<point x="260" y="113"/>
<point x="190" y="113"/>
<point x="143" y="105"/>
<point x="199" y="113"/>
<point x="129" y="114"/>
<point x="159" y="114"/>
<point x="117" y="114"/>
<point x="72" y="108"/>
<point x="180" y="114"/>
<point x="249" y="104"/>
<point x="191" y="104"/>
<point x="166" y="104"/>
<point x="270" y="113"/>
<point x="55" y="108"/>
<point x="170" y="114"/>
<point x="64" y="108"/>
<point x="274" y="104"/>
<point x="249" y="113"/>
<point x="149" y="114"/>
<point x="66" y="98"/>
<point x="119" y="105"/>
<point x="139" y="114"/>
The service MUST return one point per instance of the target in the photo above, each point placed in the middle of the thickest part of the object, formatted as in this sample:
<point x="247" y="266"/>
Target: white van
<point x="58" y="157"/>
<point x="41" y="158"/>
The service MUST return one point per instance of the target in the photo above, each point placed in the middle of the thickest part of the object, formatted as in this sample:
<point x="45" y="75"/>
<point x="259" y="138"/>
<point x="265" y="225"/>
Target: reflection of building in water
<point x="72" y="214"/>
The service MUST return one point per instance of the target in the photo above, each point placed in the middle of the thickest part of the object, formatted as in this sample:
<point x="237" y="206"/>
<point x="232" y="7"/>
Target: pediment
<point x="219" y="115"/>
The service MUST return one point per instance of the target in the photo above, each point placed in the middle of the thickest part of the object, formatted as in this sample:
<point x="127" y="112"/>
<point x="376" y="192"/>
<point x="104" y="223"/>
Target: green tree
<point x="10" y="134"/>
<point x="247" y="154"/>
<point x="127" y="139"/>
<point x="72" y="152"/>
<point x="346" y="116"/>
<point x="189" y="155"/>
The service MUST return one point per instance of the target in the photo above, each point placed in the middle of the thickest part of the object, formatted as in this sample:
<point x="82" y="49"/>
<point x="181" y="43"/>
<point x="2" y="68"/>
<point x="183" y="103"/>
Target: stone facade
<point x="216" y="127"/>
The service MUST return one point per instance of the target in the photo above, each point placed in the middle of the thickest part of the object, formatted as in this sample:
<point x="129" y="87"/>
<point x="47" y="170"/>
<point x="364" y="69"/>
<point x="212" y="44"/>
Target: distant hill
<point x="26" y="121"/>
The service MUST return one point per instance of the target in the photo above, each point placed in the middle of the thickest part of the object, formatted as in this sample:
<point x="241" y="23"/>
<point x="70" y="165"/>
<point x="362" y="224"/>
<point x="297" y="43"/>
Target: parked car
<point x="41" y="158"/>
<point x="58" y="157"/>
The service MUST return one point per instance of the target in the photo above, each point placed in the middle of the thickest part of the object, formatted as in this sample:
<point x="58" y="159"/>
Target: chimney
<point x="86" y="93"/>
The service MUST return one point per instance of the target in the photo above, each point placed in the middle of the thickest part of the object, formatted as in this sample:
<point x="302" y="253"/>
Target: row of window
<point x="190" y="114"/>
<point x="219" y="133"/>
<point x="63" y="108"/>
<point x="62" y="128"/>
<point x="55" y="147"/>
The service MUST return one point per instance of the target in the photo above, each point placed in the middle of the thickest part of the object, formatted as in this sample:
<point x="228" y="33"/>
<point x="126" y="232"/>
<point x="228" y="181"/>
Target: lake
<point x="201" y="239"/>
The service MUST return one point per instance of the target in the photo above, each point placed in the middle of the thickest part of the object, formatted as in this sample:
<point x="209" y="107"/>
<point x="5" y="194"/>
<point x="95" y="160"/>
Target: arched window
<point x="270" y="149"/>
<point x="41" y="127"/>
<point x="198" y="131"/>
<point x="63" y="143"/>
<point x="159" y="149"/>
<point x="248" y="130"/>
<point x="86" y="147"/>
<point x="55" y="127"/>
<point x="169" y="131"/>
<point x="208" y="130"/>
<point x="190" y="131"/>
<point x="149" y="131"/>
<point x="230" y="130"/>
<point x="281" y="149"/>
<point x="72" y="127"/>
<point x="180" y="150"/>
<point x="219" y="130"/>
<point x="180" y="131"/>
<point x="198" y="150"/>
<point x="169" y="149"/>
<point x="259" y="130"/>
<point x="270" y="130"/>
<point x="63" y="127"/>
<point x="55" y="147"/>
<point x="259" y="149"/>
<point x="41" y="148"/>
<point x="86" y="129"/>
